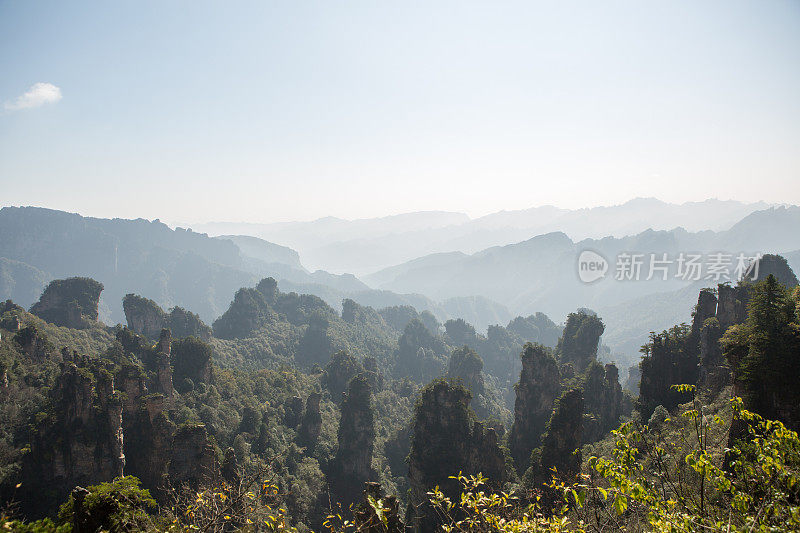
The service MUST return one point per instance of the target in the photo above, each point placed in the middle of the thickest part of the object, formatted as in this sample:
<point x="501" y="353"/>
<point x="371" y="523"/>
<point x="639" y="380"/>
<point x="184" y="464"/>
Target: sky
<point x="270" y="111"/>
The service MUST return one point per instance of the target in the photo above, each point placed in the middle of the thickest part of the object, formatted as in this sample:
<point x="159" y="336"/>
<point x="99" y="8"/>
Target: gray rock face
<point x="731" y="306"/>
<point x="193" y="460"/>
<point x="311" y="425"/>
<point x="706" y="308"/>
<point x="714" y="315"/>
<point x="714" y="370"/>
<point x="352" y="465"/>
<point x="144" y="316"/>
<point x="164" y="365"/>
<point x="447" y="440"/>
<point x="82" y="442"/>
<point x="561" y="444"/>
<point x="70" y="302"/>
<point x="148" y="444"/>
<point x="537" y="390"/>
<point x="603" y="401"/>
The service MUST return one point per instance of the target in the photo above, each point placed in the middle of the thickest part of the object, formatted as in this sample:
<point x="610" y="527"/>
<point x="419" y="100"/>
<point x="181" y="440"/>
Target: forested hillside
<point x="399" y="267"/>
<point x="284" y="398"/>
<point x="163" y="397"/>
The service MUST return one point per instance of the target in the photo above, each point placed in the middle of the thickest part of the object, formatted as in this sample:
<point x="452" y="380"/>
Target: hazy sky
<point x="265" y="111"/>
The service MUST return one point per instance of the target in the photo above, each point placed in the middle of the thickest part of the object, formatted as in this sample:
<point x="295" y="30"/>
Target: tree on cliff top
<point x="579" y="342"/>
<point x="764" y="352"/>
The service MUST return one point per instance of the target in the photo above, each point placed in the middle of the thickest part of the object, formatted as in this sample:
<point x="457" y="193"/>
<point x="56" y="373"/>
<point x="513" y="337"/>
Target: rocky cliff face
<point x="713" y="315"/>
<point x="690" y="355"/>
<point x="145" y="317"/>
<point x="33" y="344"/>
<point x="81" y="440"/>
<point x="580" y="339"/>
<point x="132" y="381"/>
<point x="148" y="443"/>
<point x="10" y="316"/>
<point x="352" y="465"/>
<point x="706" y="308"/>
<point x="603" y="401"/>
<point x="537" y="390"/>
<point x="634" y="379"/>
<point x="311" y="424"/>
<point x="163" y="364"/>
<point x="70" y="302"/>
<point x="292" y="411"/>
<point x="731" y="305"/>
<point x="156" y="360"/>
<point x="467" y="366"/>
<point x="561" y="445"/>
<point x="147" y="429"/>
<point x="447" y="440"/>
<point x="338" y="372"/>
<point x="192" y="460"/>
<point x="715" y="373"/>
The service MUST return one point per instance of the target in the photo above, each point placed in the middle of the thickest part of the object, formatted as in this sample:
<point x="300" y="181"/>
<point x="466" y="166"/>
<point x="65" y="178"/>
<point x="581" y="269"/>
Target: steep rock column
<point x="193" y="460"/>
<point x="311" y="424"/>
<point x="603" y="399"/>
<point x="580" y="339"/>
<point x="447" y="440"/>
<point x="144" y="316"/>
<point x="81" y="440"/>
<point x="714" y="370"/>
<point x="538" y="387"/>
<point x="164" y="364"/>
<point x="71" y="302"/>
<point x="732" y="306"/>
<point x="352" y="465"/>
<point x="148" y="444"/>
<point x="561" y="446"/>
<point x="467" y="366"/>
<point x="705" y="309"/>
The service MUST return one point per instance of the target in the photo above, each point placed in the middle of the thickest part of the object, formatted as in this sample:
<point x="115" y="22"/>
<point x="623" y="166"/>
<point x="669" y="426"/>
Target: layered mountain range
<point x="366" y="245"/>
<point x="539" y="273"/>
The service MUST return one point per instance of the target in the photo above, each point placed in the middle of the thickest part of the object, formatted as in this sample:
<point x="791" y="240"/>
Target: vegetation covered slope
<point x="302" y="406"/>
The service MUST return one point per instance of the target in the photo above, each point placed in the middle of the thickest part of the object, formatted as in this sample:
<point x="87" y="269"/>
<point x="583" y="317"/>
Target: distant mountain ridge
<point x="367" y="245"/>
<point x="180" y="267"/>
<point x="540" y="274"/>
<point x="176" y="267"/>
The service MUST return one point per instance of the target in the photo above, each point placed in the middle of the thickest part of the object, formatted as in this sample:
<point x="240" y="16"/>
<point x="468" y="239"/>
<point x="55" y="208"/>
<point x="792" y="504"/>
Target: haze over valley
<point x="488" y="286"/>
<point x="397" y="267"/>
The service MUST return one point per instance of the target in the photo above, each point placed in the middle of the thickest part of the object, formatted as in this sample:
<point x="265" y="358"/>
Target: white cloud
<point x="38" y="95"/>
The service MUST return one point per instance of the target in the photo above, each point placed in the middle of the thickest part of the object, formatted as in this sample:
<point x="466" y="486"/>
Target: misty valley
<point x="399" y="267"/>
<point x="160" y="378"/>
